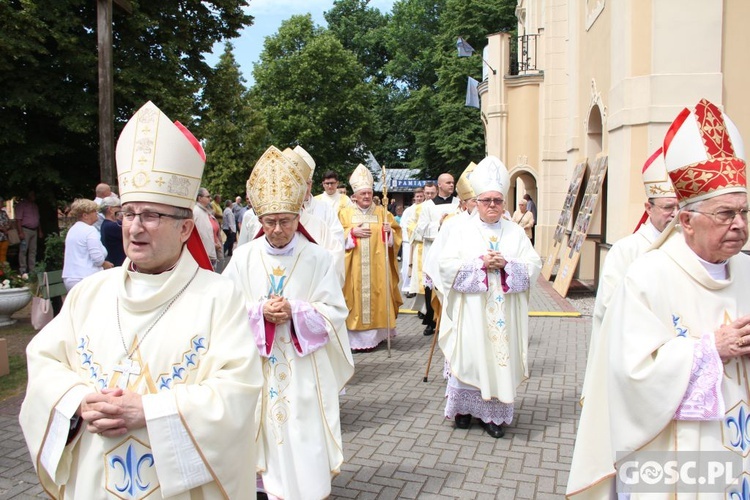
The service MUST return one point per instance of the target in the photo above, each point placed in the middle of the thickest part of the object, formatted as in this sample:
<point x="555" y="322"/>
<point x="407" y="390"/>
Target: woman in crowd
<point x="112" y="230"/>
<point x="84" y="252"/>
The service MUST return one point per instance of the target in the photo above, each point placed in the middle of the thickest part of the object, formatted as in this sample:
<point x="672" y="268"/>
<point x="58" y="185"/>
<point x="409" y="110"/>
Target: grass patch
<point x="15" y="382"/>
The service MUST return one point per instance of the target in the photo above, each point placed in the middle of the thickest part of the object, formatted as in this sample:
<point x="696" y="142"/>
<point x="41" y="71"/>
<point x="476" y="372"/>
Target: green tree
<point x="313" y="92"/>
<point x="233" y="130"/>
<point x="48" y="73"/>
<point x="459" y="135"/>
<point x="362" y="30"/>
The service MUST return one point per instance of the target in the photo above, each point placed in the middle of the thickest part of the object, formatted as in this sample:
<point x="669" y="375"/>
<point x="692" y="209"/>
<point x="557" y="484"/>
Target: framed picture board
<point x="572" y="251"/>
<point x="560" y="238"/>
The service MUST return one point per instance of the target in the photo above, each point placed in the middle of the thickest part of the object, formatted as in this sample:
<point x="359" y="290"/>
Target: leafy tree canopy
<point x="313" y="92"/>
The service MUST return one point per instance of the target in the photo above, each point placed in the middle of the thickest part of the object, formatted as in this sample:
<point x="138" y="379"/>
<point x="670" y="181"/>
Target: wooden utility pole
<point x="106" y="84"/>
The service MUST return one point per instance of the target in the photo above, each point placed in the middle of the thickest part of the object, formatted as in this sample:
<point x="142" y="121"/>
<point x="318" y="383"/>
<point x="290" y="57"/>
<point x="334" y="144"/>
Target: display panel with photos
<point x="558" y="238"/>
<point x="572" y="252"/>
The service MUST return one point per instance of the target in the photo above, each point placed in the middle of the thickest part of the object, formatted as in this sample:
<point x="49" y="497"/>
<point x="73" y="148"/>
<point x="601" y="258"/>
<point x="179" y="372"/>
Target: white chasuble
<point x="299" y="442"/>
<point x="484" y="334"/>
<point x="618" y="260"/>
<point x="653" y="387"/>
<point x="197" y="370"/>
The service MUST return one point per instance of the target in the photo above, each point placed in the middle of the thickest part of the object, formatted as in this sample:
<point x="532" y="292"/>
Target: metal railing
<point x="523" y="54"/>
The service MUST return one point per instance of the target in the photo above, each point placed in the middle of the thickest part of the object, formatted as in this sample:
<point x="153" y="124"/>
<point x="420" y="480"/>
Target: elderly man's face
<point x="471" y="205"/>
<point x="445" y="185"/>
<point x="490" y="205"/>
<point x="364" y="198"/>
<point x="707" y="232"/>
<point x="279" y="228"/>
<point x="661" y="211"/>
<point x="155" y="246"/>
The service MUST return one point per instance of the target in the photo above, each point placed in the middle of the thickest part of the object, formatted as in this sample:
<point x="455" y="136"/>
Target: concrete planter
<point x="12" y="300"/>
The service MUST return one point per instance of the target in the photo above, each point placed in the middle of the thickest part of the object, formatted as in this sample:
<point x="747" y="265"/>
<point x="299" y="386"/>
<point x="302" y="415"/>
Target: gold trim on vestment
<point x="365" y="265"/>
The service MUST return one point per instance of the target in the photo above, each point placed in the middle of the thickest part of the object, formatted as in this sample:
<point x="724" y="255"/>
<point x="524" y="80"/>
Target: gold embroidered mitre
<point x="704" y="154"/>
<point x="463" y="186"/>
<point x="278" y="183"/>
<point x="655" y="177"/>
<point x="308" y="159"/>
<point x="490" y="174"/>
<point x="361" y="179"/>
<point x="157" y="160"/>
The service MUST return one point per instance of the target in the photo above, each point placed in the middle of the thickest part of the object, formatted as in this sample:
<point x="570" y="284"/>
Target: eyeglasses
<point x="282" y="223"/>
<point x="148" y="219"/>
<point x="204" y="196"/>
<point x="724" y="217"/>
<point x="666" y="208"/>
<point x="489" y="201"/>
<point x="330" y="183"/>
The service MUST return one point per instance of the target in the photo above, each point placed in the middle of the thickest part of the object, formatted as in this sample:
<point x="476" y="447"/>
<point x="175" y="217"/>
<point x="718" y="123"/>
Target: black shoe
<point x="430" y="330"/>
<point x="420" y="315"/>
<point x="462" y="421"/>
<point x="411" y="296"/>
<point x="494" y="430"/>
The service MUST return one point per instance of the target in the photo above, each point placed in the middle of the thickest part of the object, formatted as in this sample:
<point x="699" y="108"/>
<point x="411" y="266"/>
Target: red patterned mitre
<point x="704" y="154"/>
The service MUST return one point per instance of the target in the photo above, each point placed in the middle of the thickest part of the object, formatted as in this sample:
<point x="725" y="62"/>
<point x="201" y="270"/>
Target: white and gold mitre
<point x="490" y="175"/>
<point x="278" y="182"/>
<point x="655" y="177"/>
<point x="463" y="186"/>
<point x="308" y="159"/>
<point x="157" y="160"/>
<point x="361" y="179"/>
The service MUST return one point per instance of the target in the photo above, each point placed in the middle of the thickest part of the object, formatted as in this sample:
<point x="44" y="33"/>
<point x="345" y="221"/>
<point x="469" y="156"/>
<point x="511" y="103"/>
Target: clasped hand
<point x="112" y="412"/>
<point x="733" y="340"/>
<point x="493" y="260"/>
<point x="277" y="310"/>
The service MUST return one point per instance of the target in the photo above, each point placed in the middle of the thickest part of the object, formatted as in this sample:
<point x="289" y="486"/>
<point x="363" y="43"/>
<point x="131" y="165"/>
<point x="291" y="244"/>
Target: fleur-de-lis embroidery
<point x="131" y="465"/>
<point x="680" y="330"/>
<point x="743" y="493"/>
<point x="739" y="425"/>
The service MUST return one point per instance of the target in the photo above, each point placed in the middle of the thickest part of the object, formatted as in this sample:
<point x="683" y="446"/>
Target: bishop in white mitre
<point x="487" y="267"/>
<point x="146" y="384"/>
<point x="660" y="208"/>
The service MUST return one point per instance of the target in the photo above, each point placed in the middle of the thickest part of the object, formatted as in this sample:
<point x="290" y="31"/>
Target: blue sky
<point x="268" y="16"/>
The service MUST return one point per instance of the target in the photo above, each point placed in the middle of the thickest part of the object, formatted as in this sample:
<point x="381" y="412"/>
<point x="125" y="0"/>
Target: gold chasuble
<point x="365" y="288"/>
<point x="417" y="253"/>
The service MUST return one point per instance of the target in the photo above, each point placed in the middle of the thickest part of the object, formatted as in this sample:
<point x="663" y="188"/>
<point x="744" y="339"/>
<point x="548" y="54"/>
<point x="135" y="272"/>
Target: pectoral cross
<point x="127" y="368"/>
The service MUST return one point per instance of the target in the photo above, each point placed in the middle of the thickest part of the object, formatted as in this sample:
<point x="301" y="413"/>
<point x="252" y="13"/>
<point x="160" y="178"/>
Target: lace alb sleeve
<point x="517" y="276"/>
<point x="471" y="277"/>
<point x="309" y="326"/>
<point x="703" y="399"/>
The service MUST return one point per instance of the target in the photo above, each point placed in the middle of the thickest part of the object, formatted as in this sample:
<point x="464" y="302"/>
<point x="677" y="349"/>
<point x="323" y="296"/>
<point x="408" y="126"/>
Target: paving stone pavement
<point x="397" y="444"/>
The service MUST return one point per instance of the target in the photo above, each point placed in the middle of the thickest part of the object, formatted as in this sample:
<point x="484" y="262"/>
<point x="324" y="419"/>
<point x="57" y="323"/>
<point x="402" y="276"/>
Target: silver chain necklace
<point x="128" y="353"/>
